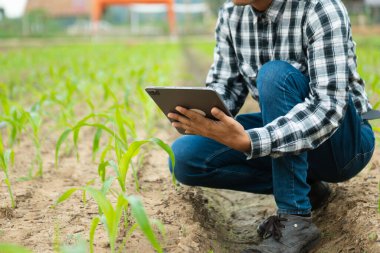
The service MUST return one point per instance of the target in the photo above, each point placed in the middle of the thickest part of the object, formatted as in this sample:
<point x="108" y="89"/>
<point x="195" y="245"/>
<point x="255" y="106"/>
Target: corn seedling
<point x="110" y="216"/>
<point x="17" y="120"/>
<point x="125" y="161"/>
<point x="124" y="152"/>
<point x="35" y="123"/>
<point x="75" y="130"/>
<point x="6" y="160"/>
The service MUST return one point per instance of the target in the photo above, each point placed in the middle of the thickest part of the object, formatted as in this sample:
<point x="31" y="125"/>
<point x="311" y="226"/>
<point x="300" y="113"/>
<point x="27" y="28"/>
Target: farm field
<point x="90" y="154"/>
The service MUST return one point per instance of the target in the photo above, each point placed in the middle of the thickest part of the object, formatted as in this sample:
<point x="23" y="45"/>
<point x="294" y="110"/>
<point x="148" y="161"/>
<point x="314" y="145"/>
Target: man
<point x="297" y="58"/>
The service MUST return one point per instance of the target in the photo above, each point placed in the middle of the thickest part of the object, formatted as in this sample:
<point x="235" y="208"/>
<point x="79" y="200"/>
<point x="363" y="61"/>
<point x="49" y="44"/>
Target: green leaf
<point x="105" y="151"/>
<point x="120" y="125"/>
<point x="103" y="203"/>
<point x="108" y="130"/>
<point x="9" y="158"/>
<point x="1" y="145"/>
<point x="61" y="139"/>
<point x="107" y="185"/>
<point x="75" y="140"/>
<point x="159" y="225"/>
<point x="67" y="194"/>
<point x="94" y="224"/>
<point x="131" y="126"/>
<point x="90" y="104"/>
<point x="111" y="217"/>
<point x="133" y="150"/>
<point x="8" y="183"/>
<point x="139" y="214"/>
<point x="130" y="231"/>
<point x="168" y="150"/>
<point x="375" y="106"/>
<point x="126" y="160"/>
<point x="102" y="170"/>
<point x="96" y="142"/>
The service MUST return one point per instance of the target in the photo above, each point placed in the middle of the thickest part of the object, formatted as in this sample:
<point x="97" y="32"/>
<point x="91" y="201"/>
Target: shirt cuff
<point x="261" y="143"/>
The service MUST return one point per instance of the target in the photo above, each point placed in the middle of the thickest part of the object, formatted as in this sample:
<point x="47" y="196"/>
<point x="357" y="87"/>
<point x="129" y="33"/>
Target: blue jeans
<point x="204" y="162"/>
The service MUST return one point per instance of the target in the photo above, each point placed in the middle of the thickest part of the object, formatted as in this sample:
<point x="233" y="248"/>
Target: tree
<point x="2" y="14"/>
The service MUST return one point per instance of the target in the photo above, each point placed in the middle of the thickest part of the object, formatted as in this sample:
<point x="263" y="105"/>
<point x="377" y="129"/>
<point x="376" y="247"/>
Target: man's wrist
<point x="243" y="143"/>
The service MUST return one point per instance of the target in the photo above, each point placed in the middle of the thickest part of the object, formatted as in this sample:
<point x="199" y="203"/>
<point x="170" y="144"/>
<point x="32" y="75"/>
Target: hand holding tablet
<point x="197" y="99"/>
<point x="200" y="111"/>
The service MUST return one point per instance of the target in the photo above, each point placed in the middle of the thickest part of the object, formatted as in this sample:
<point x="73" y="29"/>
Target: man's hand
<point x="225" y="130"/>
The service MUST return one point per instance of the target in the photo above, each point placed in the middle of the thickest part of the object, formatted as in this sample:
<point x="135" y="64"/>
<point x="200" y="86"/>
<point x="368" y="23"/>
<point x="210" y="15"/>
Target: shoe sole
<point x="311" y="245"/>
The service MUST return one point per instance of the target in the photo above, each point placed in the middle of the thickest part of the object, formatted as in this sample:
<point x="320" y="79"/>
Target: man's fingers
<point x="219" y="114"/>
<point x="191" y="114"/>
<point x="178" y="117"/>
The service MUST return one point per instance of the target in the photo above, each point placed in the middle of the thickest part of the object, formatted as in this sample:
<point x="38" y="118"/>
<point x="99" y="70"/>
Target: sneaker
<point x="285" y="233"/>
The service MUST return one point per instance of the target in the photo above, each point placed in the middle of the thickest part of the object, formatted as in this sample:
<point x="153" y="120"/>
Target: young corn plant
<point x="16" y="119"/>
<point x="20" y="121"/>
<point x="35" y="123"/>
<point x="124" y="153"/>
<point x="6" y="160"/>
<point x="110" y="216"/>
<point x="149" y="112"/>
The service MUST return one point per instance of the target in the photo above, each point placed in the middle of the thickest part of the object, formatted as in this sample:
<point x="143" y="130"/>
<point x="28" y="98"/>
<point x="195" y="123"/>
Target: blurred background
<point x="47" y="18"/>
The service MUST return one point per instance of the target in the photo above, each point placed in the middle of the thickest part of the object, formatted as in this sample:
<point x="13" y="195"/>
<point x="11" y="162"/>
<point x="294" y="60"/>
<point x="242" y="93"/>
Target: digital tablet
<point x="199" y="99"/>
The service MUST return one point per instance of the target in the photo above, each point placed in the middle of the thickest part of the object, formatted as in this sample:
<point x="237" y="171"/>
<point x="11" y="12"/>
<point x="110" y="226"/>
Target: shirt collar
<point x="273" y="13"/>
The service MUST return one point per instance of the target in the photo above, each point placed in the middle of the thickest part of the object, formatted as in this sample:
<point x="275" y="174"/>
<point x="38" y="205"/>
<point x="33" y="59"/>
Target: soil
<point x="196" y="219"/>
<point x="36" y="224"/>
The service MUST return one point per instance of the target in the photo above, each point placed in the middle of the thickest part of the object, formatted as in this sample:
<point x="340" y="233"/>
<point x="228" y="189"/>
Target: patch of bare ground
<point x="351" y="220"/>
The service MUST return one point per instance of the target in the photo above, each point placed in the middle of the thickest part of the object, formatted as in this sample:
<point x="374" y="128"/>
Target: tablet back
<point x="199" y="99"/>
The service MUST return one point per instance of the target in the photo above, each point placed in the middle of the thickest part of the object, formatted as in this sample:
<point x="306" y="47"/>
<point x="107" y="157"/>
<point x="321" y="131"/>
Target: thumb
<point x="219" y="114"/>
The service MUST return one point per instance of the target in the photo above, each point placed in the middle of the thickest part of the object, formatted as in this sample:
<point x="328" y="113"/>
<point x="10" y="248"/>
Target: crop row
<point x="59" y="90"/>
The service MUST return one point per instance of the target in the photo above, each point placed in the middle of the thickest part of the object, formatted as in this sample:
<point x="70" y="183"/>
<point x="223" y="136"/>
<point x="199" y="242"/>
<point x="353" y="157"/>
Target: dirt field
<point x="350" y="222"/>
<point x="196" y="220"/>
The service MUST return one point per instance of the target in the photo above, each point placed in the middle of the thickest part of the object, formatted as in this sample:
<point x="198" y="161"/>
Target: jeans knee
<point x="279" y="80"/>
<point x="270" y="78"/>
<point x="183" y="156"/>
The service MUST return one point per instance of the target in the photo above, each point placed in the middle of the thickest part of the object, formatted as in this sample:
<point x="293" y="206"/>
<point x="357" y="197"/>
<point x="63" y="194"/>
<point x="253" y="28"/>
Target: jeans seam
<point x="353" y="159"/>
<point x="292" y="167"/>
<point x="287" y="76"/>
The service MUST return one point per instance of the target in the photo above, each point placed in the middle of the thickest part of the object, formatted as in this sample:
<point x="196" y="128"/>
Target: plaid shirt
<point x="314" y="36"/>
